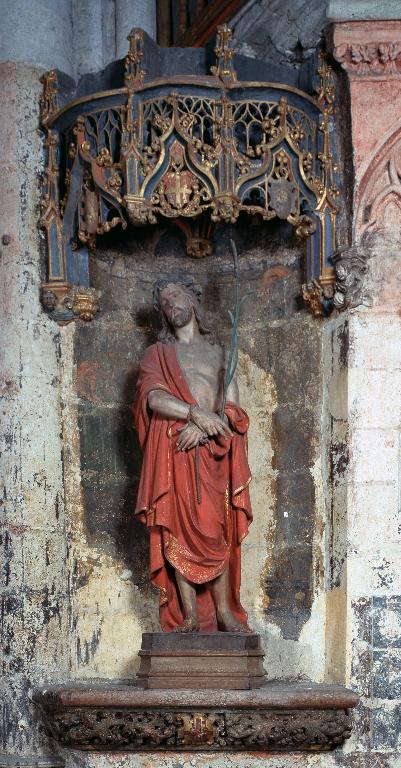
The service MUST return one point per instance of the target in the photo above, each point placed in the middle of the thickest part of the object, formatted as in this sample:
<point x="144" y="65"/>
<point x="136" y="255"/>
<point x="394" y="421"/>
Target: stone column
<point x="34" y="579"/>
<point x="366" y="385"/>
<point x="91" y="22"/>
<point x="141" y="13"/>
<point x="37" y="33"/>
<point x="33" y="543"/>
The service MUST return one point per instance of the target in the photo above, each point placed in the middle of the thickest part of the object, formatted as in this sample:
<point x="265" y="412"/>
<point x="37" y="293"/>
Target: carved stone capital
<point x="350" y="268"/>
<point x="368" y="48"/>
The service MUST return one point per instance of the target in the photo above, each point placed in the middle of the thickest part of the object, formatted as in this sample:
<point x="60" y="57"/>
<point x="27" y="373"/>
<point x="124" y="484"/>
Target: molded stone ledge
<point x="281" y="716"/>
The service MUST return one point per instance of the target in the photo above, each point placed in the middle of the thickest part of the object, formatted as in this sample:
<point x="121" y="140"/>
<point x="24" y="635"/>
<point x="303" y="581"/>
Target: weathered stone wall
<point x="366" y="392"/>
<point x="34" y="604"/>
<point x="362" y="392"/>
<point x="280" y="31"/>
<point x="280" y="383"/>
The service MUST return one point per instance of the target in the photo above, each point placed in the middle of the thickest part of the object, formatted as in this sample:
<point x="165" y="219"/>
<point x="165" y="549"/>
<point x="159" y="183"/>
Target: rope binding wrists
<point x="190" y="417"/>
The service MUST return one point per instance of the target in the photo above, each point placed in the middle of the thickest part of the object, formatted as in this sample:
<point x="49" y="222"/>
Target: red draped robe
<point x="200" y="540"/>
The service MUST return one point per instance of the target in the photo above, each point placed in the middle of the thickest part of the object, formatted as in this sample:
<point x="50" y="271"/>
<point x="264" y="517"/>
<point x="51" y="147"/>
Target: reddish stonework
<point x="370" y="52"/>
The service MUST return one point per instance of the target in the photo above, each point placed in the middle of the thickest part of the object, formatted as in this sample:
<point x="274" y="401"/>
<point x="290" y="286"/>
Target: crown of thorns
<point x="186" y="283"/>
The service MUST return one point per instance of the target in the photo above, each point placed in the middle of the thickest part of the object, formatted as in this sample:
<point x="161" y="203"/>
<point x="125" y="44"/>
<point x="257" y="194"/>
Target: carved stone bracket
<point x="277" y="717"/>
<point x="350" y="267"/>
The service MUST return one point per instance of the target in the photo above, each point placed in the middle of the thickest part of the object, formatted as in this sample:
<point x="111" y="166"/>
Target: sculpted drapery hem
<point x="199" y="540"/>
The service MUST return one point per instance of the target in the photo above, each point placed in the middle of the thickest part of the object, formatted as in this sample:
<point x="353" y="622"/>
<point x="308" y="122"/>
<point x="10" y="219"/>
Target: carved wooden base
<point x="224" y="660"/>
<point x="276" y="717"/>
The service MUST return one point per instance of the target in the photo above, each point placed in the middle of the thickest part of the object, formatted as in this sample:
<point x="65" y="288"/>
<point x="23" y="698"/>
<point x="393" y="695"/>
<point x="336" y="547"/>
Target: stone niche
<point x="280" y="384"/>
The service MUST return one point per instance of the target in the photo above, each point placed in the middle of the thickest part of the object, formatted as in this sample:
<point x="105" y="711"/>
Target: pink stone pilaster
<point x="370" y="53"/>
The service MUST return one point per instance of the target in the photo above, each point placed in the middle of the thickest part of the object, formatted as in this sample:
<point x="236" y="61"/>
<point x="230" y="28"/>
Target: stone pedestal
<point x="223" y="660"/>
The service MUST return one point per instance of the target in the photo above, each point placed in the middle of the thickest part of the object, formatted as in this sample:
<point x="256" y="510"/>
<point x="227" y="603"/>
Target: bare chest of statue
<point x="203" y="367"/>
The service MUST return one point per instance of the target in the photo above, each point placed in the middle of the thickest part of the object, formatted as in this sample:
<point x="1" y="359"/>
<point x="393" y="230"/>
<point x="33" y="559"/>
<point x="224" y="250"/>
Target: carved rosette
<point x="199" y="247"/>
<point x="122" y="729"/>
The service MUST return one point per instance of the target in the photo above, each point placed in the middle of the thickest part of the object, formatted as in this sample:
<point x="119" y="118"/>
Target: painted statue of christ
<point x="193" y="492"/>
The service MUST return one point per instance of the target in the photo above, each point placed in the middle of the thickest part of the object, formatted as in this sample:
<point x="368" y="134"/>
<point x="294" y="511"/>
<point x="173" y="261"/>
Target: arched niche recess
<point x="193" y="149"/>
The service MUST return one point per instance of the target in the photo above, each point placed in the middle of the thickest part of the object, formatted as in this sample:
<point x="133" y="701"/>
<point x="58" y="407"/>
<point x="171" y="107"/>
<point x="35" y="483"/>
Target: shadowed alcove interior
<point x="257" y="161"/>
<point x="280" y="382"/>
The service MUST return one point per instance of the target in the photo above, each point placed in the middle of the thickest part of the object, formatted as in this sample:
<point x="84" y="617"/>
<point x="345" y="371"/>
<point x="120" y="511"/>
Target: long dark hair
<point x="194" y="293"/>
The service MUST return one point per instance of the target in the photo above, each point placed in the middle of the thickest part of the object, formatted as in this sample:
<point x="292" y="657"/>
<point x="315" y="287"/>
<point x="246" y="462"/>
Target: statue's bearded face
<point x="175" y="305"/>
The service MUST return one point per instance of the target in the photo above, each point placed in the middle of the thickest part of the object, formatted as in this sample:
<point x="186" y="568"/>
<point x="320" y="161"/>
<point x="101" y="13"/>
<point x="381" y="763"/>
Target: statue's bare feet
<point x="191" y="624"/>
<point x="227" y="623"/>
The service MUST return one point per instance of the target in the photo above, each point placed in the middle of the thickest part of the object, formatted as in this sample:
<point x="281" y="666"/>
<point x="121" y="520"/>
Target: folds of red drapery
<point x="199" y="540"/>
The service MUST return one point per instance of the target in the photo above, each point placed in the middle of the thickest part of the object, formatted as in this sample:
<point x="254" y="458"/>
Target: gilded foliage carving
<point x="202" y="147"/>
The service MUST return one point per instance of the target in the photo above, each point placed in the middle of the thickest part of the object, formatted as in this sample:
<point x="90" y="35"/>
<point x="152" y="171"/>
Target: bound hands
<point x="190" y="437"/>
<point x="201" y="425"/>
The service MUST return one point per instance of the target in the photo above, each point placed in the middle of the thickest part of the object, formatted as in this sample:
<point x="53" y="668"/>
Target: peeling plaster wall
<point x="373" y="581"/>
<point x="362" y="392"/>
<point x="34" y="602"/>
<point x="215" y="760"/>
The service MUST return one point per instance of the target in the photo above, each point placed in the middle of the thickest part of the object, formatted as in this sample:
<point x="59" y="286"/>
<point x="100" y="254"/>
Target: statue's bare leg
<point x="225" y="619"/>
<point x="188" y="597"/>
